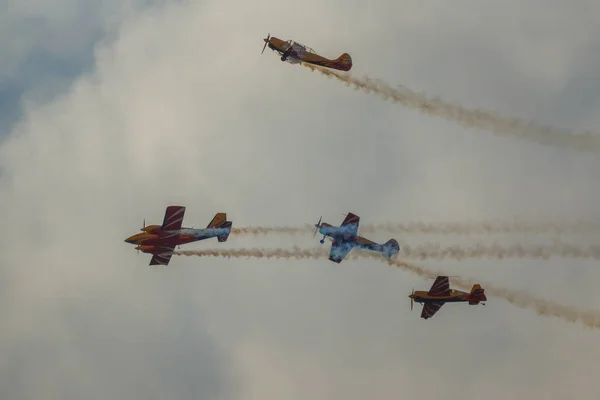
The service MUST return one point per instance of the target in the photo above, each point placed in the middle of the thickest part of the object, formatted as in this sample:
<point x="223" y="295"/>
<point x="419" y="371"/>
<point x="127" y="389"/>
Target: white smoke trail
<point x="444" y="228"/>
<point x="432" y="251"/>
<point x="496" y="251"/>
<point x="523" y="300"/>
<point x="474" y="118"/>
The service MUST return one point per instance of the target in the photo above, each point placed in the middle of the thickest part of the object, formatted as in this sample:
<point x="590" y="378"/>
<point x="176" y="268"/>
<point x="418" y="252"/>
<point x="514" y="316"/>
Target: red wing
<point x="173" y="218"/>
<point x="351" y="219"/>
<point x="441" y="287"/>
<point x="163" y="257"/>
<point x="339" y="251"/>
<point x="429" y="309"/>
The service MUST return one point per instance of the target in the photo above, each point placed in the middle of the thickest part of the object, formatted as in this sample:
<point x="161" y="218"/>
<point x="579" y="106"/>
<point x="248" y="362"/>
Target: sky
<point x="109" y="113"/>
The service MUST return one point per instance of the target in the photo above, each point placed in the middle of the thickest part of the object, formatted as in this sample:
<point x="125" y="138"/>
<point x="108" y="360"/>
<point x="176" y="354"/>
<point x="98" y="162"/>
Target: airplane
<point x="161" y="240"/>
<point x="345" y="238"/>
<point x="440" y="293"/>
<point x="296" y="53"/>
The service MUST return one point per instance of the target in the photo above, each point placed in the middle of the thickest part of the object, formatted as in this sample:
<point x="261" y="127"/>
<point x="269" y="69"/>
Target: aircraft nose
<point x="131" y="239"/>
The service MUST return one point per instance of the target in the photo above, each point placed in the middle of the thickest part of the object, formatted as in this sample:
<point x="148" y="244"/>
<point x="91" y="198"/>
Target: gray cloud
<point x="182" y="109"/>
<point x="47" y="45"/>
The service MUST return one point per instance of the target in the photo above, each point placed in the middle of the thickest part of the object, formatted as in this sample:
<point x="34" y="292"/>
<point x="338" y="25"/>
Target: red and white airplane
<point x="161" y="240"/>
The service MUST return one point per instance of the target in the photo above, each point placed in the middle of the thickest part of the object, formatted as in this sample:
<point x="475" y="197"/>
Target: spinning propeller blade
<point x="317" y="226"/>
<point x="266" y="42"/>
<point x="412" y="296"/>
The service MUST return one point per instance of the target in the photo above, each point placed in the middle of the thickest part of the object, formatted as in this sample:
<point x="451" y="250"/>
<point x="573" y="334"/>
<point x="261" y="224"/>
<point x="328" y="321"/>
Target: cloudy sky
<point x="111" y="112"/>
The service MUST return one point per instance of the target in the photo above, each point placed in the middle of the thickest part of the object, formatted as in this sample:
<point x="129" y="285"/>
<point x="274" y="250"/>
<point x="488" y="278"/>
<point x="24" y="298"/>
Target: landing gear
<point x="322" y="241"/>
<point x="283" y="58"/>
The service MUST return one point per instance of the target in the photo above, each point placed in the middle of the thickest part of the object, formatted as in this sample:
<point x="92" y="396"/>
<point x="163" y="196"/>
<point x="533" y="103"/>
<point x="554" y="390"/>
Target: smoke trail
<point x="481" y="228"/>
<point x="421" y="252"/>
<point x="264" y="230"/>
<point x="474" y="118"/>
<point x="431" y="251"/>
<point x="495" y="251"/>
<point x="520" y="299"/>
<point x="293" y="253"/>
<point x="443" y="228"/>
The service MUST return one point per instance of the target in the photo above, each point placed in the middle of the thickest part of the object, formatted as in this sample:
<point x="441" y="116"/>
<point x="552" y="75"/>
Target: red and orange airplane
<point x="296" y="53"/>
<point x="161" y="240"/>
<point x="440" y="293"/>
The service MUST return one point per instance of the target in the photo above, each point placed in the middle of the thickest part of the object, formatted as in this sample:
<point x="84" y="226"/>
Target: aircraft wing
<point x="350" y="224"/>
<point x="173" y="218"/>
<point x="429" y="309"/>
<point x="441" y="287"/>
<point x="163" y="257"/>
<point x="339" y="250"/>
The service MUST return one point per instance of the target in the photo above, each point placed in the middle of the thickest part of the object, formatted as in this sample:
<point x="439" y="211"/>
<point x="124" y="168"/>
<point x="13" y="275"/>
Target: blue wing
<point x="350" y="224"/>
<point x="339" y="250"/>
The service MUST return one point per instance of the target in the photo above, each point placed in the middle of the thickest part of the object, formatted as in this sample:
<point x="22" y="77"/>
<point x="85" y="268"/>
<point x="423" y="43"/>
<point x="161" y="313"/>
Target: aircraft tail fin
<point x="477" y="294"/>
<point x="390" y="248"/>
<point x="226" y="228"/>
<point x="218" y="220"/>
<point x="344" y="62"/>
<point x="220" y="223"/>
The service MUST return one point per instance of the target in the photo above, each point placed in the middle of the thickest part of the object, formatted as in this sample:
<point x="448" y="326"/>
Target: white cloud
<point x="182" y="109"/>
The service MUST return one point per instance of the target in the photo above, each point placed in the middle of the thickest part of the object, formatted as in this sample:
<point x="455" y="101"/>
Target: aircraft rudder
<point x="226" y="227"/>
<point x="477" y="294"/>
<point x="217" y="220"/>
<point x="344" y="62"/>
<point x="391" y="248"/>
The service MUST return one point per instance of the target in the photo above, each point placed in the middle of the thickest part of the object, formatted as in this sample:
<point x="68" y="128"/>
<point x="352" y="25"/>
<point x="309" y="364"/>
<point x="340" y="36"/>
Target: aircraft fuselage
<point x="177" y="237"/>
<point x="456" y="296"/>
<point x="347" y="238"/>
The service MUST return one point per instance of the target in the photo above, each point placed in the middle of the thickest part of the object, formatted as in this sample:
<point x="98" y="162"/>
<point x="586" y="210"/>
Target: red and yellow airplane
<point x="345" y="238"/>
<point x="296" y="53"/>
<point x="161" y="240"/>
<point x="440" y="293"/>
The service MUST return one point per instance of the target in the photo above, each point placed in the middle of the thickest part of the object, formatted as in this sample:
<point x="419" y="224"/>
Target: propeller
<point x="412" y="296"/>
<point x="266" y="42"/>
<point x="317" y="226"/>
<point x="143" y="225"/>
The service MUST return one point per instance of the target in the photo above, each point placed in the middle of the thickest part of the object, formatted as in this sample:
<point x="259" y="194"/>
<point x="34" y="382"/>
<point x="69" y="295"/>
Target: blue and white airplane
<point x="345" y="238"/>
